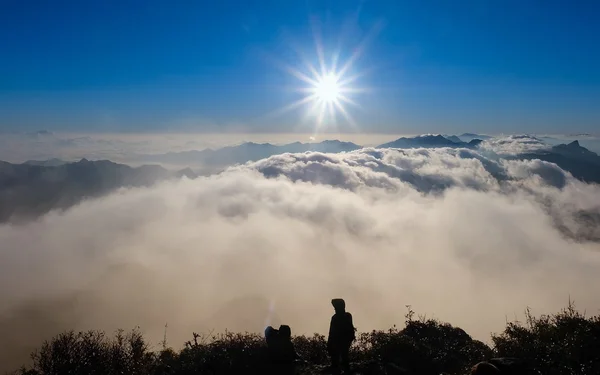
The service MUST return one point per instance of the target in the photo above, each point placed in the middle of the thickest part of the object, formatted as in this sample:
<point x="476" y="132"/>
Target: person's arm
<point x="351" y="326"/>
<point x="331" y="331"/>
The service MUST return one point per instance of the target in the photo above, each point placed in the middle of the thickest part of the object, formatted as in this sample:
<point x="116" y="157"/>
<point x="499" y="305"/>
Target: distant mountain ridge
<point x="453" y="138"/>
<point x="248" y="151"/>
<point x="46" y="163"/>
<point x="473" y="135"/>
<point x="582" y="163"/>
<point x="429" y="141"/>
<point x="28" y="190"/>
<point x="36" y="187"/>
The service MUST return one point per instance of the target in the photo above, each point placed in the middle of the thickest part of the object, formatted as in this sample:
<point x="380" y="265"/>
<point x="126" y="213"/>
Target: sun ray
<point x="319" y="48"/>
<point x="295" y="72"/>
<point x="313" y="109"/>
<point x="305" y="61"/>
<point x="354" y="77"/>
<point x="294" y="105"/>
<point x="348" y="100"/>
<point x="331" y="112"/>
<point x="345" y="114"/>
<point x="358" y="51"/>
<point x="329" y="88"/>
<point x="347" y="81"/>
<point x="313" y="70"/>
<point x="334" y="60"/>
<point x="321" y="114"/>
<point x="301" y="76"/>
<point x="353" y="90"/>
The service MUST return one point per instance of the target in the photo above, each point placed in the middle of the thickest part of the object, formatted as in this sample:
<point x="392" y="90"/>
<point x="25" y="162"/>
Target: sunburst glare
<point x="327" y="93"/>
<point x="328" y="90"/>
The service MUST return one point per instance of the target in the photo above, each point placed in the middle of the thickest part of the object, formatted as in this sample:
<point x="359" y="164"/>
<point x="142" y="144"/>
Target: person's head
<point x="339" y="305"/>
<point x="270" y="332"/>
<point x="285" y="332"/>
<point x="484" y="368"/>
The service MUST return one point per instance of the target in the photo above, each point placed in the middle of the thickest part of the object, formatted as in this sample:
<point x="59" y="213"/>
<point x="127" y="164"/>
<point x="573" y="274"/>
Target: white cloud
<point x="514" y="144"/>
<point x="457" y="236"/>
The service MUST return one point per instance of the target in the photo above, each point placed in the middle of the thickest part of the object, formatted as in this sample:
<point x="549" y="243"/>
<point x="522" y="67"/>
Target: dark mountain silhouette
<point x="473" y="136"/>
<point x="428" y="141"/>
<point x="30" y="190"/>
<point x="420" y="141"/>
<point x="246" y="152"/>
<point x="474" y="142"/>
<point x="453" y="138"/>
<point x="582" y="163"/>
<point x="574" y="149"/>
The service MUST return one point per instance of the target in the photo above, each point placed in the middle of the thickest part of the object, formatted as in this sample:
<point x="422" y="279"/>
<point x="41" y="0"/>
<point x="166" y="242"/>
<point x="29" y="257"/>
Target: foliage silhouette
<point x="564" y="343"/>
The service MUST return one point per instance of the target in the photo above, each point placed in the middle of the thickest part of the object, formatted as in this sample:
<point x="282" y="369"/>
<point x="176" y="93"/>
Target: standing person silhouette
<point x="341" y="336"/>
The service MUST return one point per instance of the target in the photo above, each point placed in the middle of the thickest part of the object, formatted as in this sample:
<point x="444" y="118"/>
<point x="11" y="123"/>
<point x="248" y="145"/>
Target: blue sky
<point x="434" y="66"/>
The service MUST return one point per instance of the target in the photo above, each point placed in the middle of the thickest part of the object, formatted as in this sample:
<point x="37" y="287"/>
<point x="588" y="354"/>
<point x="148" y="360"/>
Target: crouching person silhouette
<point x="282" y="354"/>
<point x="341" y="336"/>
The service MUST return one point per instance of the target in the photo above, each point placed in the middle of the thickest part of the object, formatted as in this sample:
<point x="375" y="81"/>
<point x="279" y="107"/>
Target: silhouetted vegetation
<point x="564" y="343"/>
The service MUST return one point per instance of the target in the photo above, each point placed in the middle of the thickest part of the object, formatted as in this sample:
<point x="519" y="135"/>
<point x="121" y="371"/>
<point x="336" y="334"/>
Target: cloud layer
<point x="514" y="144"/>
<point x="464" y="238"/>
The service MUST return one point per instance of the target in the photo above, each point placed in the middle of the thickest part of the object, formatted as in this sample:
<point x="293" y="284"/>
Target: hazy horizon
<point x="19" y="147"/>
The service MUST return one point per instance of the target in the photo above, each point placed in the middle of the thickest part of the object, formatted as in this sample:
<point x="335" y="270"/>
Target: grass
<point x="567" y="342"/>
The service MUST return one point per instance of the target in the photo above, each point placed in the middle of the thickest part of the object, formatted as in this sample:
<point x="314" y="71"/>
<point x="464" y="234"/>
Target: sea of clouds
<point x="460" y="235"/>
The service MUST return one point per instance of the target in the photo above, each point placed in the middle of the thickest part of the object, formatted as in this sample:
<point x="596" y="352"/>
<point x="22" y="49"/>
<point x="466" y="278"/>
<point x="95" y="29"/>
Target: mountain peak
<point x="574" y="148"/>
<point x="453" y="138"/>
<point x="425" y="140"/>
<point x="430" y="136"/>
<point x="187" y="172"/>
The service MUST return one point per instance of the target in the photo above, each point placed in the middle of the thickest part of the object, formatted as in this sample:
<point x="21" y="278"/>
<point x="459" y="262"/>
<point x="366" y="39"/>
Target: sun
<point x="328" y="93"/>
<point x="327" y="88"/>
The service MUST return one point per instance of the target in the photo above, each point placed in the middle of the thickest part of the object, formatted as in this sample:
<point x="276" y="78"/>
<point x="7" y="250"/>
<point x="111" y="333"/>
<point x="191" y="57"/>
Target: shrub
<point x="564" y="343"/>
<point x="560" y="344"/>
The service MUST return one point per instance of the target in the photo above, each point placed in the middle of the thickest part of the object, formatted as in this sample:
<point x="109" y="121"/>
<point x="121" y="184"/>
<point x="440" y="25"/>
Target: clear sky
<point x="430" y="66"/>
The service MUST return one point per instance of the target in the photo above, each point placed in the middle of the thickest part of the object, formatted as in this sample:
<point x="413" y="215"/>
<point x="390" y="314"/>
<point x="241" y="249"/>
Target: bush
<point x="564" y="343"/>
<point x="92" y="353"/>
<point x="424" y="346"/>
<point x="560" y="344"/>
